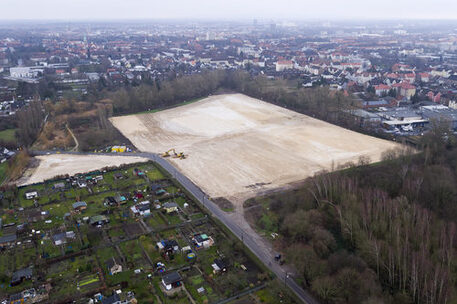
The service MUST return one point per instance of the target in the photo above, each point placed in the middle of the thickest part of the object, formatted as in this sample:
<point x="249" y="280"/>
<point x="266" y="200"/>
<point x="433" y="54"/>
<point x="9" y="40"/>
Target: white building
<point x="31" y="194"/>
<point x="25" y="72"/>
<point x="453" y="104"/>
<point x="282" y="65"/>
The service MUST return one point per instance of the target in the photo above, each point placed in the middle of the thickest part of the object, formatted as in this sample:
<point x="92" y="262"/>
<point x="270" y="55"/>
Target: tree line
<point x="161" y="93"/>
<point x="30" y="121"/>
<point x="381" y="233"/>
<point x="319" y="102"/>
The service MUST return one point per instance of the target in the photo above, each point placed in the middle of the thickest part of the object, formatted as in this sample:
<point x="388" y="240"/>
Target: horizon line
<point x="205" y="19"/>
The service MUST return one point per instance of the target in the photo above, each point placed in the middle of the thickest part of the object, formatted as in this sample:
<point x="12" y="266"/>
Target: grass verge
<point x="8" y="135"/>
<point x="3" y="169"/>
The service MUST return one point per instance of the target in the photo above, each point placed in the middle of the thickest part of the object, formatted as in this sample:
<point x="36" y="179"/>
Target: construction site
<point x="235" y="146"/>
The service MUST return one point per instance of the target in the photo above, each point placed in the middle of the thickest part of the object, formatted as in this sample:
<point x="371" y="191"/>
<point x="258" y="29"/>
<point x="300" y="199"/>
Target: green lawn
<point x="132" y="252"/>
<point x="8" y="135"/>
<point x="23" y="202"/>
<point x="117" y="278"/>
<point x="196" y="216"/>
<point x="49" y="250"/>
<point x="26" y="258"/>
<point x="196" y="282"/>
<point x="106" y="253"/>
<point x="88" y="280"/>
<point x="272" y="293"/>
<point x="6" y="267"/>
<point x="173" y="218"/>
<point x="155" y="174"/>
<point x="155" y="221"/>
<point x="116" y="232"/>
<point x="180" y="201"/>
<point x="3" y="168"/>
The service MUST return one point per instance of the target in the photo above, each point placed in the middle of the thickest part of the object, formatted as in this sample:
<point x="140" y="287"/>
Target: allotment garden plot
<point x="131" y="229"/>
<point x="237" y="145"/>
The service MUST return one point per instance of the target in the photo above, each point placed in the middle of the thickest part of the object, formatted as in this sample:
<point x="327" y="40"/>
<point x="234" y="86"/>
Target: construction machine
<point x="167" y="153"/>
<point x="172" y="153"/>
<point x="180" y="155"/>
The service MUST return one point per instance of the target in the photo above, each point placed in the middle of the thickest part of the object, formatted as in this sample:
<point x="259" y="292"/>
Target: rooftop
<point x="21" y="274"/>
<point x="8" y="238"/>
<point x="170" y="205"/>
<point x="111" y="299"/>
<point x="79" y="205"/>
<point x="439" y="112"/>
<point x="171" y="278"/>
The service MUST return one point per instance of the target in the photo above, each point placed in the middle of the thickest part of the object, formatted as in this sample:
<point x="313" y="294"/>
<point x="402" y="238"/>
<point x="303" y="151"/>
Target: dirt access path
<point x="75" y="149"/>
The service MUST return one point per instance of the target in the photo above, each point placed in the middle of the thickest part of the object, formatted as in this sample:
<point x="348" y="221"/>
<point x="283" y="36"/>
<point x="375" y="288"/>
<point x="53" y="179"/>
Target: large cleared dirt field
<point x="237" y="145"/>
<point x="61" y="164"/>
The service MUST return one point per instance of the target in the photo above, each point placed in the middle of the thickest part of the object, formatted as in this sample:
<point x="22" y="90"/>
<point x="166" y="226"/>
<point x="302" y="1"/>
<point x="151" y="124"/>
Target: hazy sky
<point x="227" y="9"/>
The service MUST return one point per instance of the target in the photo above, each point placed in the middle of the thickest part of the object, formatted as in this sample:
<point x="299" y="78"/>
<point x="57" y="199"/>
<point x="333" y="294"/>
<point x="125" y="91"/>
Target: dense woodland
<point x="381" y="233"/>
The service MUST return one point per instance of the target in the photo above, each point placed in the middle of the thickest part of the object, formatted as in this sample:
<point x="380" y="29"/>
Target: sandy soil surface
<point x="238" y="146"/>
<point x="59" y="164"/>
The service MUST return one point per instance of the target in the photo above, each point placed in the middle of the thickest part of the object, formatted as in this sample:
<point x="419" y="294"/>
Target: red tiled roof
<point x="407" y="86"/>
<point x="382" y="87"/>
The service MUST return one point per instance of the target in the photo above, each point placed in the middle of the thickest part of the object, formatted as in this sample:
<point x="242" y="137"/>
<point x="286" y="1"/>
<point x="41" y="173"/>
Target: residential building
<point x="21" y="275"/>
<point x="113" y="266"/>
<point x="170" y="207"/>
<point x="282" y="65"/>
<point x="171" y="281"/>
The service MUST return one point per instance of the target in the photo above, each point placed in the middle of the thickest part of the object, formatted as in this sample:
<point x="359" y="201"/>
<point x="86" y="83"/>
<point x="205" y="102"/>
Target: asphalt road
<point x="264" y="256"/>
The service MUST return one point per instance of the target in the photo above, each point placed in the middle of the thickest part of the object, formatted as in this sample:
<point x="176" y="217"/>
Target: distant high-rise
<point x="210" y="35"/>
<point x="273" y="26"/>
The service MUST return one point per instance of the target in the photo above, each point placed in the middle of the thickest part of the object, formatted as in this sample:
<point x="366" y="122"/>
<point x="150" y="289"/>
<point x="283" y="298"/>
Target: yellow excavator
<point x="167" y="153"/>
<point x="180" y="155"/>
<point x="174" y="154"/>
